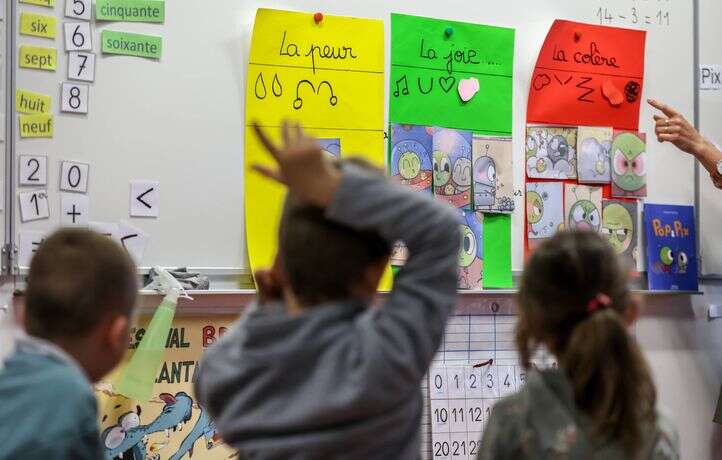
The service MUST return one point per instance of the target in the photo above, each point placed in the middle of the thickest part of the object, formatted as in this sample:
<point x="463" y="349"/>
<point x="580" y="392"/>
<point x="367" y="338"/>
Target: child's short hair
<point x="324" y="260"/>
<point x="77" y="277"/>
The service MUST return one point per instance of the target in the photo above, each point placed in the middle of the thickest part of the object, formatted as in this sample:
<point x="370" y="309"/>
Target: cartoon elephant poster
<point x="172" y="425"/>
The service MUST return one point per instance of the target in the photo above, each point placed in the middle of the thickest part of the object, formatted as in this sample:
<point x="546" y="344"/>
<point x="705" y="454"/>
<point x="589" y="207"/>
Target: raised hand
<point x="301" y="165"/>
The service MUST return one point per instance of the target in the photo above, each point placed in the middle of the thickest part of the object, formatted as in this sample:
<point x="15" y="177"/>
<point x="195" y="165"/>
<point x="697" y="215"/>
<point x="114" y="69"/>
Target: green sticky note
<point x="130" y="10"/>
<point x="429" y="57"/>
<point x="129" y="44"/>
<point x="497" y="251"/>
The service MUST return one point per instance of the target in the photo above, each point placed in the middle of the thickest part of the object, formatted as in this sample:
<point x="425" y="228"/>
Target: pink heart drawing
<point x="468" y="87"/>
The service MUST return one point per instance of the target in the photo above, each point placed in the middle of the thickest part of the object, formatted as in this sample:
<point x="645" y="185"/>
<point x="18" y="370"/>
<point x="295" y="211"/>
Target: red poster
<point x="585" y="75"/>
<point x="588" y="75"/>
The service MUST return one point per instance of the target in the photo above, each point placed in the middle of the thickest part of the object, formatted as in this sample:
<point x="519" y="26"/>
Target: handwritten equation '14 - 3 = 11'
<point x="642" y="14"/>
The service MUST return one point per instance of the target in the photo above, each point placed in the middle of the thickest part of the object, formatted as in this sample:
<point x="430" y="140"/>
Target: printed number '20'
<point x="441" y="449"/>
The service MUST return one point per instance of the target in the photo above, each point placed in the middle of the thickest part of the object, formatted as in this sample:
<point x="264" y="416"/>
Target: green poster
<point x="427" y="66"/>
<point x="429" y="57"/>
<point x="130" y="10"/>
<point x="497" y="251"/>
<point x="131" y="44"/>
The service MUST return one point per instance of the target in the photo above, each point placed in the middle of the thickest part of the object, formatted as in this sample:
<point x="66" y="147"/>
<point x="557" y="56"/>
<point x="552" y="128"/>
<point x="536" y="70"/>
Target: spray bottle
<point x="138" y="377"/>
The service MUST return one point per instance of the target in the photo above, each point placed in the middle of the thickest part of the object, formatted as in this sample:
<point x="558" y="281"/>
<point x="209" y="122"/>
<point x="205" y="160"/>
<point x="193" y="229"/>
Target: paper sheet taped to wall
<point x="328" y="76"/>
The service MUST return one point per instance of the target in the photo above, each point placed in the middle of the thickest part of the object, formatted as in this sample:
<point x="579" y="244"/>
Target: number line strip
<point x="289" y="66"/>
<point x="638" y="77"/>
<point x="468" y="72"/>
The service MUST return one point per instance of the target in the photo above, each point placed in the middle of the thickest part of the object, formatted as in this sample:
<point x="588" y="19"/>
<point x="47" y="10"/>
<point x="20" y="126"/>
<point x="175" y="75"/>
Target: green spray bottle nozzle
<point x="138" y="377"/>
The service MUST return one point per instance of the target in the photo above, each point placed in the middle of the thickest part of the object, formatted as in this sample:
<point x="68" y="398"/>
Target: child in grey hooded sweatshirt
<point x="314" y="371"/>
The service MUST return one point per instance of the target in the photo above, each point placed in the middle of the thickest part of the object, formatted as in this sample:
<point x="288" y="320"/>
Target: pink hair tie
<point x="599" y="302"/>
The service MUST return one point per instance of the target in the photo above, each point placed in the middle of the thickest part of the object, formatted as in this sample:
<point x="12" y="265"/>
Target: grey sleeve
<point x="398" y="340"/>
<point x="498" y="441"/>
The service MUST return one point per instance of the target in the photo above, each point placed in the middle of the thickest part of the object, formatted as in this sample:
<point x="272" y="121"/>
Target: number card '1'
<point x="34" y="205"/>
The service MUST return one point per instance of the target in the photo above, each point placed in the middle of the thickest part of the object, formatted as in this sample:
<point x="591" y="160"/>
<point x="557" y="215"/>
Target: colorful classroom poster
<point x="429" y="59"/>
<point x="171" y="425"/>
<point x="588" y="76"/>
<point x="328" y="76"/>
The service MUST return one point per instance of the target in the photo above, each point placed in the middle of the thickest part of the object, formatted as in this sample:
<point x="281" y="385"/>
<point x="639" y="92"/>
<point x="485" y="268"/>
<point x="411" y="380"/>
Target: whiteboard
<point x="179" y="121"/>
<point x="710" y="117"/>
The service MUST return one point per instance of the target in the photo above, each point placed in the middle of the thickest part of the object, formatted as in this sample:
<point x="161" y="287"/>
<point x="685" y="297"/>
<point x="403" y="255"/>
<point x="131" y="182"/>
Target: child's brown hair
<point x="573" y="299"/>
<point x="323" y="260"/>
<point x="77" y="277"/>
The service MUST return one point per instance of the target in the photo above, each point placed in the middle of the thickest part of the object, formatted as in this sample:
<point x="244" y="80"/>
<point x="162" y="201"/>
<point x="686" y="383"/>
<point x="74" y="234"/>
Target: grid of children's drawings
<point x="476" y="365"/>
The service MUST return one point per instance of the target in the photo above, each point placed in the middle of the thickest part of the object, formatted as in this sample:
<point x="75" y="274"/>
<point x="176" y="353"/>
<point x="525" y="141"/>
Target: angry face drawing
<point x="618" y="227"/>
<point x="629" y="173"/>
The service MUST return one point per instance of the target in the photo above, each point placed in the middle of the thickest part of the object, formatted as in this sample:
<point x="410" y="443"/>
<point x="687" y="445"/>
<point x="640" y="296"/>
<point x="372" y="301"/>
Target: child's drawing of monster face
<point x="584" y="215"/>
<point x="462" y="172"/>
<point x="534" y="207"/>
<point x="628" y="162"/>
<point x="467" y="250"/>
<point x="618" y="227"/>
<point x="409" y="165"/>
<point x="442" y="168"/>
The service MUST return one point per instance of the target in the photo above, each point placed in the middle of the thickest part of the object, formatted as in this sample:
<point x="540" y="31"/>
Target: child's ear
<point x="117" y="336"/>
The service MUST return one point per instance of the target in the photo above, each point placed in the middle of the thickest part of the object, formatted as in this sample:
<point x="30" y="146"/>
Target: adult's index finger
<point x="667" y="110"/>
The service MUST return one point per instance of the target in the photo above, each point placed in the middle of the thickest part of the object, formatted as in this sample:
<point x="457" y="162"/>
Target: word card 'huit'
<point x="326" y="75"/>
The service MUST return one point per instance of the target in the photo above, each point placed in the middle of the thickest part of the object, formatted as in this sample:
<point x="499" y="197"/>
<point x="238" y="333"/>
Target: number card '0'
<point x="77" y="36"/>
<point x="81" y="66"/>
<point x="33" y="170"/>
<point x="74" y="176"/>
<point x="74" y="98"/>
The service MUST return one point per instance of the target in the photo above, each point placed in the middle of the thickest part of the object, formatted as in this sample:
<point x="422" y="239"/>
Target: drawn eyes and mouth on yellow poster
<point x="327" y="76"/>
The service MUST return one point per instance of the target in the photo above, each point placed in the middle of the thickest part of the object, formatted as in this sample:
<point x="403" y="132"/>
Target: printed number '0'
<point x="78" y="175"/>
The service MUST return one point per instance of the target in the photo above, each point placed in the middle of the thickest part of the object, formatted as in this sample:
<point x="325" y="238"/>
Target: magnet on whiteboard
<point x="714" y="311"/>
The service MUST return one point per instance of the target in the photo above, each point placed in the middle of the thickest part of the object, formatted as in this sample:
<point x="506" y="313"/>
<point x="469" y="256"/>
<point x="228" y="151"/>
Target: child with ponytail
<point x="601" y="401"/>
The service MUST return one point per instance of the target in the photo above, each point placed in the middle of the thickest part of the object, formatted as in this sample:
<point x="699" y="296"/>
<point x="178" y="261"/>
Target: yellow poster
<point x="327" y="75"/>
<point x="171" y="426"/>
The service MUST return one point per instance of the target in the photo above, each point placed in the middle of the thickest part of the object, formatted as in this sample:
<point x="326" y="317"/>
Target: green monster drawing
<point x="467" y="256"/>
<point x="584" y="215"/>
<point x="618" y="227"/>
<point x="666" y="255"/>
<point x="409" y="165"/>
<point x="442" y="168"/>
<point x="628" y="169"/>
<point x="534" y="207"/>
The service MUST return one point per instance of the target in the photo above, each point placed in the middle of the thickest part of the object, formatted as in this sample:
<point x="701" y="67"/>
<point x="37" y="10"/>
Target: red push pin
<point x="577" y="36"/>
<point x="318" y="17"/>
